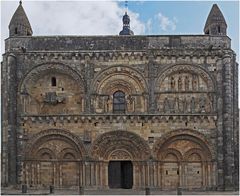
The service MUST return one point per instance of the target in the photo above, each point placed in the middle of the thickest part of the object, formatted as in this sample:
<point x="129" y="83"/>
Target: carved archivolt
<point x="131" y="77"/>
<point x="38" y="71"/>
<point x="120" y="155"/>
<point x="185" y="89"/>
<point x="52" y="89"/>
<point x="183" y="143"/>
<point x="120" y="144"/>
<point x="194" y="71"/>
<point x="119" y="78"/>
<point x="56" y="143"/>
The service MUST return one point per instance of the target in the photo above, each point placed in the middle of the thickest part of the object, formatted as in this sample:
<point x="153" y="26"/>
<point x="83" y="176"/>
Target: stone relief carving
<point x="53" y="98"/>
<point x="120" y="155"/>
<point x="180" y="85"/>
<point x="172" y="83"/>
<point x="185" y="91"/>
<point x="182" y="104"/>
<point x="187" y="83"/>
<point x="192" y="105"/>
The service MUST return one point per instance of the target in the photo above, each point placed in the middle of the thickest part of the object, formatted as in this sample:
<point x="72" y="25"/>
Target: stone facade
<point x="178" y="127"/>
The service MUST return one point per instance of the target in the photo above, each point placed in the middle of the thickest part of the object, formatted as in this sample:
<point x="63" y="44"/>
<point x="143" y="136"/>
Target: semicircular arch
<point x="185" y="68"/>
<point x="107" y="77"/>
<point x="55" y="134"/>
<point x="41" y="69"/>
<point x="184" y="134"/>
<point x="132" y="143"/>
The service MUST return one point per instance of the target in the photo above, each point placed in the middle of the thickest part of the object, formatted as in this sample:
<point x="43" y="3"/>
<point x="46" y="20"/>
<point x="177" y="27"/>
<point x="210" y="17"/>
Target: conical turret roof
<point x="20" y="18"/>
<point x="215" y="16"/>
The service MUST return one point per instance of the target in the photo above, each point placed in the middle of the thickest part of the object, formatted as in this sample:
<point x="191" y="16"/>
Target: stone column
<point x="236" y="123"/>
<point x="12" y="120"/>
<point x="151" y="78"/>
<point x="228" y="153"/>
<point x="219" y="139"/>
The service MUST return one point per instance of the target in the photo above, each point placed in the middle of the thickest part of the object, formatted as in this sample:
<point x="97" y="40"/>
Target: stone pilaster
<point x="151" y="77"/>
<point x="12" y="118"/>
<point x="4" y="123"/>
<point x="228" y="153"/>
<point x="219" y="126"/>
<point x="235" y="124"/>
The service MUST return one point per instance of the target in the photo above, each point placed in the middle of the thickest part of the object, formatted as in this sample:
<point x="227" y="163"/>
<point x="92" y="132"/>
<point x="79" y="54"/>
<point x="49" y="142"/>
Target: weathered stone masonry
<point x="163" y="108"/>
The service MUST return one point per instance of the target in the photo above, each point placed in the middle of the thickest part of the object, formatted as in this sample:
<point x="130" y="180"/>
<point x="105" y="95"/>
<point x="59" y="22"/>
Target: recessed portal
<point x="120" y="174"/>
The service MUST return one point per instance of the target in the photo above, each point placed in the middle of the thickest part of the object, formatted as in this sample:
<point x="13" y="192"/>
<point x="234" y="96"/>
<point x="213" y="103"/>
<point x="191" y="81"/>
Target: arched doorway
<point x="120" y="174"/>
<point x="121" y="155"/>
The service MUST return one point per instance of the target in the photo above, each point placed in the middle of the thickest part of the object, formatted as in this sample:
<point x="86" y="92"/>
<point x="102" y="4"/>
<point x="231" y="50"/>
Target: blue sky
<point x="189" y="17"/>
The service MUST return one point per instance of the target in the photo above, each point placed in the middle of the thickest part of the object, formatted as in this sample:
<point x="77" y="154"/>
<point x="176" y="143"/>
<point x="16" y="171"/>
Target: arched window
<point x="119" y="102"/>
<point x="54" y="81"/>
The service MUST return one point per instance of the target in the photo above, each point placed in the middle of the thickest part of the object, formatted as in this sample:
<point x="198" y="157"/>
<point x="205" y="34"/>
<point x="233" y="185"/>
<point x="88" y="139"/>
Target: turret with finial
<point x="215" y="24"/>
<point x="126" y="23"/>
<point x="19" y="24"/>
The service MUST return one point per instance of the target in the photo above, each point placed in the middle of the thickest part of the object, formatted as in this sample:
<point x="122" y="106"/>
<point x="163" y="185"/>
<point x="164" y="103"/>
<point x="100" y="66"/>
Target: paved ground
<point x="8" y="191"/>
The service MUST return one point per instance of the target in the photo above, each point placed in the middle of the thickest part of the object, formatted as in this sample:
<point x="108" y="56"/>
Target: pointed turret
<point x="215" y="24"/>
<point x="19" y="24"/>
<point x="126" y="26"/>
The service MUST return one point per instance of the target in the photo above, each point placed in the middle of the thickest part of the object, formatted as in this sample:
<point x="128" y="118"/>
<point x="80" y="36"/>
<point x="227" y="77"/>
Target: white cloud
<point x="71" y="18"/>
<point x="166" y="23"/>
<point x="149" y="26"/>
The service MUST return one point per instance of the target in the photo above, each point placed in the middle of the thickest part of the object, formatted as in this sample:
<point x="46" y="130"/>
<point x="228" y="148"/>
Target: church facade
<point x="125" y="111"/>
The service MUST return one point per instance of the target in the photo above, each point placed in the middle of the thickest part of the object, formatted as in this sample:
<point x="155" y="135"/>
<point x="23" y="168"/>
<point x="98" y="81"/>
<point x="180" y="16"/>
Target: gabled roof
<point x="215" y="16"/>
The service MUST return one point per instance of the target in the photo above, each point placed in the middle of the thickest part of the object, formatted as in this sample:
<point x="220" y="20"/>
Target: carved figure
<point x="176" y="105"/>
<point x="180" y="83"/>
<point x="194" y="83"/>
<point x="172" y="83"/>
<point x="187" y="82"/>
<point x="185" y="105"/>
<point x="202" y="103"/>
<point x="193" y="105"/>
<point x="131" y="103"/>
<point x="53" y="99"/>
<point x="166" y="105"/>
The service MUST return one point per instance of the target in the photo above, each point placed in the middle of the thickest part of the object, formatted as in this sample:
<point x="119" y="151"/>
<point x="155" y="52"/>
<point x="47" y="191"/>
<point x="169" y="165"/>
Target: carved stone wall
<point x="59" y="126"/>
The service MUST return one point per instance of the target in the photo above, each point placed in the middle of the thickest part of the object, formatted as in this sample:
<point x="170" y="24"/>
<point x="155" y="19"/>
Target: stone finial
<point x="19" y="24"/>
<point x="215" y="24"/>
<point x="126" y="26"/>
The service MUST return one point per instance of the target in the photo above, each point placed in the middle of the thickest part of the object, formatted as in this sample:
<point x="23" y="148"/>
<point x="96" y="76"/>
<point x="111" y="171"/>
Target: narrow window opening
<point x="54" y="81"/>
<point x="198" y="172"/>
<point x="219" y="29"/>
<point x="166" y="172"/>
<point x="177" y="172"/>
<point x="119" y="102"/>
<point x="16" y="31"/>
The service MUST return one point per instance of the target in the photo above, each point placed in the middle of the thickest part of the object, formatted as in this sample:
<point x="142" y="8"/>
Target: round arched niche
<point x="52" y="89"/>
<point x="120" y="145"/>
<point x="185" y="158"/>
<point x="185" y="89"/>
<point x="181" y="142"/>
<point x="56" y="143"/>
<point x="119" y="78"/>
